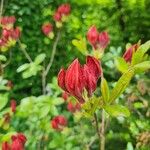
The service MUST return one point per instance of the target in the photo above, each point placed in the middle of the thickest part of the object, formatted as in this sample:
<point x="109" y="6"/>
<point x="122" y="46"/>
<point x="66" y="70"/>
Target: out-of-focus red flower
<point x="5" y="146"/>
<point x="9" y="84"/>
<point x="96" y="39"/>
<point x="65" y="96"/>
<point x="57" y="16"/>
<point x="77" y="78"/>
<point x="8" y="20"/>
<point x="59" y="122"/>
<point x="92" y="35"/>
<point x="73" y="107"/>
<point x="64" y="9"/>
<point x="13" y="105"/>
<point x="47" y="28"/>
<point x="103" y="39"/>
<point x="129" y="52"/>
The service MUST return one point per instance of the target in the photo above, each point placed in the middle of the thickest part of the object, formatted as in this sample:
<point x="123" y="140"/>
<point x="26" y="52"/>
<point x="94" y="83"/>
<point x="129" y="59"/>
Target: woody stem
<point x="102" y="132"/>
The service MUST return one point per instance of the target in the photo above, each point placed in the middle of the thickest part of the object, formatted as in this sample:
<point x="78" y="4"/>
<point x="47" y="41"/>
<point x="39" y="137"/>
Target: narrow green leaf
<point x="40" y="58"/>
<point x="121" y="64"/>
<point x="138" y="56"/>
<point x="3" y="100"/>
<point x="117" y="110"/>
<point x="23" y="67"/>
<point x="105" y="90"/>
<point x="141" y="67"/>
<point x="121" y="84"/>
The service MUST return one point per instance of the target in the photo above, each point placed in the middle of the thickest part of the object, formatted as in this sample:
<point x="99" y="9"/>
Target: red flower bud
<point x="64" y="9"/>
<point x="8" y="20"/>
<point x="59" y="122"/>
<point x="71" y="107"/>
<point x="7" y="118"/>
<point x="6" y="146"/>
<point x="13" y="105"/>
<point x="17" y="145"/>
<point x="103" y="39"/>
<point x="129" y="52"/>
<point x="16" y="33"/>
<point x="9" y="84"/>
<point x="47" y="28"/>
<point x="57" y="16"/>
<point x="77" y="78"/>
<point x="65" y="95"/>
<point x="92" y="35"/>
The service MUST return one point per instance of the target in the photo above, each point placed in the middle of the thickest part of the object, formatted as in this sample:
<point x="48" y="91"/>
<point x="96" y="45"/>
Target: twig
<point x="1" y="8"/>
<point x="91" y="142"/>
<point x="8" y="62"/>
<point x="53" y="53"/>
<point x="97" y="127"/>
<point x="103" y="131"/>
<point x="25" y="52"/>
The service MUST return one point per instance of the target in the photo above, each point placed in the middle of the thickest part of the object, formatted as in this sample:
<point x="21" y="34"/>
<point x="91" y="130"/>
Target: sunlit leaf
<point x="117" y="110"/>
<point x="40" y="58"/>
<point x="23" y="67"/>
<point x="3" y="100"/>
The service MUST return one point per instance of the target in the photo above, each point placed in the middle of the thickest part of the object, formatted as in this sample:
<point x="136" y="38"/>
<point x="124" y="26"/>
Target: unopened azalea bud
<point x="59" y="122"/>
<point x="13" y="105"/>
<point x="8" y="20"/>
<point x="47" y="28"/>
<point x="77" y="78"/>
<point x="6" y="146"/>
<point x="65" y="96"/>
<point x="57" y="17"/>
<point x="73" y="107"/>
<point x="9" y="84"/>
<point x="129" y="52"/>
<point x="103" y="39"/>
<point x="92" y="35"/>
<point x="64" y="9"/>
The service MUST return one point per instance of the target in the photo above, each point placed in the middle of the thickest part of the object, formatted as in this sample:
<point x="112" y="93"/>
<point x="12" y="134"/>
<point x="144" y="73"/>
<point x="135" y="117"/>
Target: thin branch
<point x="1" y="8"/>
<point x="53" y="53"/>
<point x="97" y="127"/>
<point x="25" y="52"/>
<point x="103" y="131"/>
<point x="9" y="60"/>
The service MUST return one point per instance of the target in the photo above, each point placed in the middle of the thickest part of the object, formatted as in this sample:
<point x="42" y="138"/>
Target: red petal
<point x="61" y="79"/>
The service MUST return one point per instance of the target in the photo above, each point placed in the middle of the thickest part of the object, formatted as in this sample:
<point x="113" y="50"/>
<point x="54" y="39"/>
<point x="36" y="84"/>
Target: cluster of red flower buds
<point x="61" y="14"/>
<point x="13" y="105"/>
<point x="76" y="79"/>
<point x="59" y="122"/>
<point x="98" y="41"/>
<point x="18" y="142"/>
<point x="129" y="52"/>
<point x="9" y="34"/>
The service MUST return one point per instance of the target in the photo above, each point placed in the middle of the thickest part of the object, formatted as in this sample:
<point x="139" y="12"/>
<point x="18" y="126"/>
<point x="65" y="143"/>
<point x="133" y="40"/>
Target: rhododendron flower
<point x="5" y="146"/>
<point x="65" y="95"/>
<point x="57" y="16"/>
<point x="13" y="105"/>
<point x="129" y="52"/>
<point x="77" y="78"/>
<point x="73" y="107"/>
<point x="59" y="122"/>
<point x="99" y="41"/>
<point x="47" y="29"/>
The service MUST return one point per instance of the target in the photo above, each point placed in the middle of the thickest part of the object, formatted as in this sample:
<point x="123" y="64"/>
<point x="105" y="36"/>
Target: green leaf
<point x="129" y="146"/>
<point x="121" y="84"/>
<point x="80" y="45"/>
<point x="23" y="67"/>
<point x="3" y="100"/>
<point x="117" y="110"/>
<point x="141" y="67"/>
<point x="138" y="56"/>
<point x="3" y="58"/>
<point x="105" y="90"/>
<point x="39" y="59"/>
<point x="121" y="64"/>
